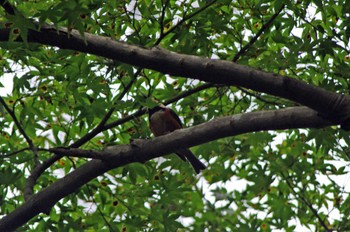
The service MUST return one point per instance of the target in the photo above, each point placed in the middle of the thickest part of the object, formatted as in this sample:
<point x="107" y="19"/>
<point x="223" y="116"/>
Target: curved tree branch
<point x="331" y="105"/>
<point x="102" y="126"/>
<point x="118" y="156"/>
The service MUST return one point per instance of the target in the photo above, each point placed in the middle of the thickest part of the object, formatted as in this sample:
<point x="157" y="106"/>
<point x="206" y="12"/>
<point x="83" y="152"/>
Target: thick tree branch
<point x="102" y="126"/>
<point x="331" y="105"/>
<point x="79" y="153"/>
<point x="118" y="156"/>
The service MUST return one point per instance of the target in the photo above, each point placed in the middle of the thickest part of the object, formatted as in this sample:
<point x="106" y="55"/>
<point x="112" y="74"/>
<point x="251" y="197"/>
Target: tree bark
<point x="141" y="151"/>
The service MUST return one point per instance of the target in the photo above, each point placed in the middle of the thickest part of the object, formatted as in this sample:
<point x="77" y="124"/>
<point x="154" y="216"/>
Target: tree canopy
<point x="261" y="88"/>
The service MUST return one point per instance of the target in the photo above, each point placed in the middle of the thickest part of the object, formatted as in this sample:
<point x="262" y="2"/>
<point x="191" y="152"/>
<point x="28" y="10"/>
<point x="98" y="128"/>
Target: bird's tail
<point x="196" y="163"/>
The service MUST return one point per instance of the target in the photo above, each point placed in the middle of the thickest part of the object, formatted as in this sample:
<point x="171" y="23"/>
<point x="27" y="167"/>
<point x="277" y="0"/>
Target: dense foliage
<point x="254" y="182"/>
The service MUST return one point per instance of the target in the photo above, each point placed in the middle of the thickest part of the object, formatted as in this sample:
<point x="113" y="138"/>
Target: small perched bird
<point x="164" y="120"/>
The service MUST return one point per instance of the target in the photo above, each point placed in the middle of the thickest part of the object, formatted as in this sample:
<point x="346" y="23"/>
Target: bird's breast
<point x="158" y="124"/>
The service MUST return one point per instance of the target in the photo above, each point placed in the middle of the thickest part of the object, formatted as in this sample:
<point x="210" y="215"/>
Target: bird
<point x="163" y="120"/>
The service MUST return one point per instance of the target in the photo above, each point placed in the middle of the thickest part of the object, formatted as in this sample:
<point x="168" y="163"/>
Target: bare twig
<point x="190" y="92"/>
<point x="255" y="38"/>
<point x="308" y="204"/>
<point x="161" y="21"/>
<point x="19" y="126"/>
<point x="257" y="96"/>
<point x="99" y="210"/>
<point x="101" y="126"/>
<point x="14" y="153"/>
<point x="182" y="21"/>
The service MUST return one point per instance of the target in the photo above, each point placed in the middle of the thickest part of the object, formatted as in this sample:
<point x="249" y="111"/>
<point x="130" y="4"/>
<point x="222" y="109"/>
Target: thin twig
<point x="101" y="126"/>
<point x="18" y="124"/>
<point x="309" y="205"/>
<point x="190" y="92"/>
<point x="39" y="169"/>
<point x="255" y="38"/>
<point x="184" y="19"/>
<point x="143" y="111"/>
<point x="99" y="210"/>
<point x="257" y="96"/>
<point x="14" y="153"/>
<point x="161" y="21"/>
